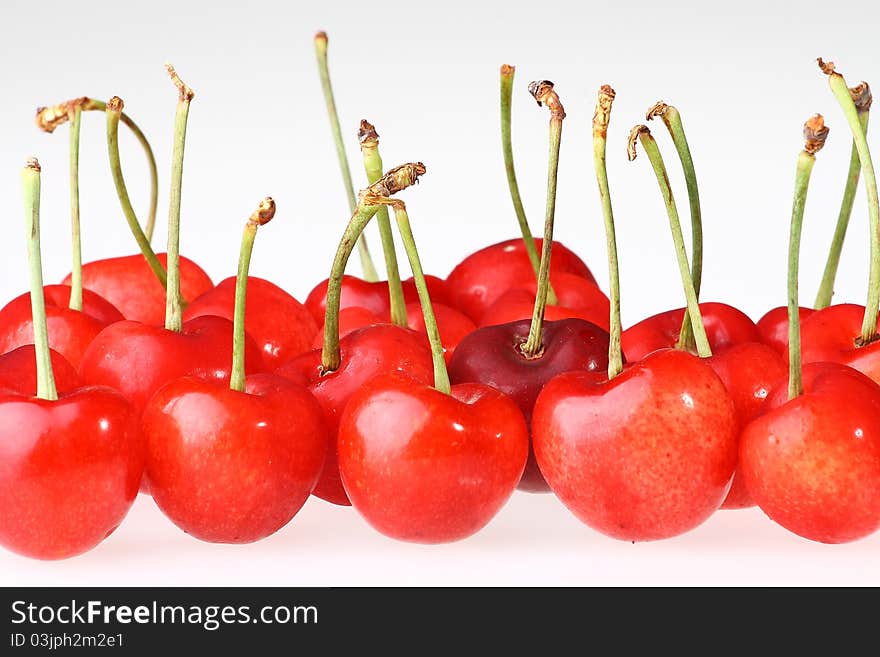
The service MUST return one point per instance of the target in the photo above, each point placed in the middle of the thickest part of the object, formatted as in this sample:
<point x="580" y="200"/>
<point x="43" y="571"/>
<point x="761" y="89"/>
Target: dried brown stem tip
<point x="115" y="104"/>
<point x="507" y="69"/>
<point x="33" y="163"/>
<point x="321" y="36"/>
<point x="264" y="213"/>
<point x="861" y="95"/>
<point x="367" y="135"/>
<point x="657" y="109"/>
<point x="602" y="115"/>
<point x="542" y="91"/>
<point x="396" y="180"/>
<point x="186" y="93"/>
<point x="815" y="134"/>
<point x="633" y="138"/>
<point x="826" y="67"/>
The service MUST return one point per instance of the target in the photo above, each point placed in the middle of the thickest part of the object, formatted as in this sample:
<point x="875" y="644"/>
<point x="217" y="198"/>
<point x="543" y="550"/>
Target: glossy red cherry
<point x="18" y="372"/>
<point x="423" y="466"/>
<point x="365" y="353"/>
<point x="437" y="288"/>
<point x="832" y="335"/>
<point x="813" y="463"/>
<point x="281" y="326"/>
<point x="129" y="284"/>
<point x="477" y="281"/>
<point x="351" y="319"/>
<point x="454" y="325"/>
<point x="493" y="356"/>
<point x="233" y="467"/>
<point x="519" y="303"/>
<point x="70" y="331"/>
<point x="773" y="327"/>
<point x="647" y="455"/>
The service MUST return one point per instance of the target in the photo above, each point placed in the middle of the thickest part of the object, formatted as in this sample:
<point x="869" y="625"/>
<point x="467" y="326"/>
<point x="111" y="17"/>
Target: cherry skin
<point x="477" y="281"/>
<point x="18" y="372"/>
<point x="282" y="326"/>
<point x="749" y="370"/>
<point x="648" y="455"/>
<point x="832" y="335"/>
<point x="813" y="463"/>
<point x="129" y="284"/>
<point x="437" y="289"/>
<point x="355" y="292"/>
<point x="423" y="466"/>
<point x="365" y="353"/>
<point x="492" y="356"/>
<point x="69" y="470"/>
<point x="351" y="319"/>
<point x="233" y="467"/>
<point x="70" y="331"/>
<point x="453" y="325"/>
<point x="773" y="327"/>
<point x="725" y="326"/>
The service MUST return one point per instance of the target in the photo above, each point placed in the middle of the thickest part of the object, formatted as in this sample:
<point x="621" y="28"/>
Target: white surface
<point x="743" y="77"/>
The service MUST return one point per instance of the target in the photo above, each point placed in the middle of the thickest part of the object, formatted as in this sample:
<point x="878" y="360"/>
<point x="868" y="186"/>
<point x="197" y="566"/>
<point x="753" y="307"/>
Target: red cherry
<point x="233" y="467"/>
<point x="69" y="470"/>
<point x="492" y="356"/>
<point x="70" y="331"/>
<point x="773" y="327"/>
<point x="365" y="353"/>
<point x="832" y="335"/>
<point x="813" y="463"/>
<point x="423" y="466"/>
<point x="647" y="455"/>
<point x="129" y="284"/>
<point x="478" y="280"/>
<point x="519" y="303"/>
<point x="351" y="319"/>
<point x="453" y="325"/>
<point x="355" y="292"/>
<point x="437" y="288"/>
<point x="282" y="327"/>
<point x="18" y="372"/>
<point x="725" y="326"/>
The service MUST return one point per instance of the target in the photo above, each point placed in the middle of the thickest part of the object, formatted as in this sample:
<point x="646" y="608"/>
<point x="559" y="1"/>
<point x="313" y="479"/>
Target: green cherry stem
<point x="49" y="118"/>
<point x="601" y="118"/>
<point x="367" y="265"/>
<point x="643" y="134"/>
<point x="76" y="285"/>
<point x="30" y="179"/>
<point x="441" y="375"/>
<point x="861" y="95"/>
<point x="672" y="120"/>
<point x="369" y="141"/>
<point x="815" y="134"/>
<point x="842" y="94"/>
<point x="173" y="301"/>
<point x="261" y="216"/>
<point x="543" y="92"/>
<point x="113" y="113"/>
<point x="369" y="202"/>
<point x="507" y="73"/>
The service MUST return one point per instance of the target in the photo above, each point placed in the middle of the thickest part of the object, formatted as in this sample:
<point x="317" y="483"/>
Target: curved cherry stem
<point x="544" y="94"/>
<point x="261" y="216"/>
<point x="643" y="134"/>
<point x="441" y="375"/>
<point x="76" y="285"/>
<point x="369" y="202"/>
<point x="844" y="99"/>
<point x="369" y="141"/>
<point x="672" y="120"/>
<point x="507" y="74"/>
<point x="367" y="265"/>
<point x="30" y="180"/>
<point x="601" y="119"/>
<point x="113" y="114"/>
<point x="815" y="134"/>
<point x="49" y="118"/>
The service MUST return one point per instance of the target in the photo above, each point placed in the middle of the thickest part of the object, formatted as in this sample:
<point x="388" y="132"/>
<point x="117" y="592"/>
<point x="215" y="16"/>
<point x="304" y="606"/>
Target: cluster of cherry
<point x="424" y="403"/>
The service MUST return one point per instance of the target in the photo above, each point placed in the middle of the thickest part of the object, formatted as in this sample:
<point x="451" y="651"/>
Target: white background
<point x="743" y="76"/>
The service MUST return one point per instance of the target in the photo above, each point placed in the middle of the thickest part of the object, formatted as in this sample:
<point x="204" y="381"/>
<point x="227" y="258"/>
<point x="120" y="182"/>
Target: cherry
<point x="19" y="375"/>
<point x="234" y="462"/>
<point x="355" y="293"/>
<point x="69" y="466"/>
<point x="773" y="327"/>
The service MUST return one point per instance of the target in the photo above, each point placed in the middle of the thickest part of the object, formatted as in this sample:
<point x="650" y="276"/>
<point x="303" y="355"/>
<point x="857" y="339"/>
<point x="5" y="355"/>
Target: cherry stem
<point x="601" y="118"/>
<point x="815" y="133"/>
<point x="369" y="202"/>
<point x="672" y="120"/>
<point x="367" y="265"/>
<point x="49" y="118"/>
<point x="76" y="285"/>
<point x="643" y="134"/>
<point x="173" y="301"/>
<point x="543" y="92"/>
<point x="369" y="141"/>
<point x="507" y="73"/>
<point x="441" y="375"/>
<point x="113" y="113"/>
<point x="862" y="96"/>
<point x="30" y="179"/>
<point x="261" y="216"/>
